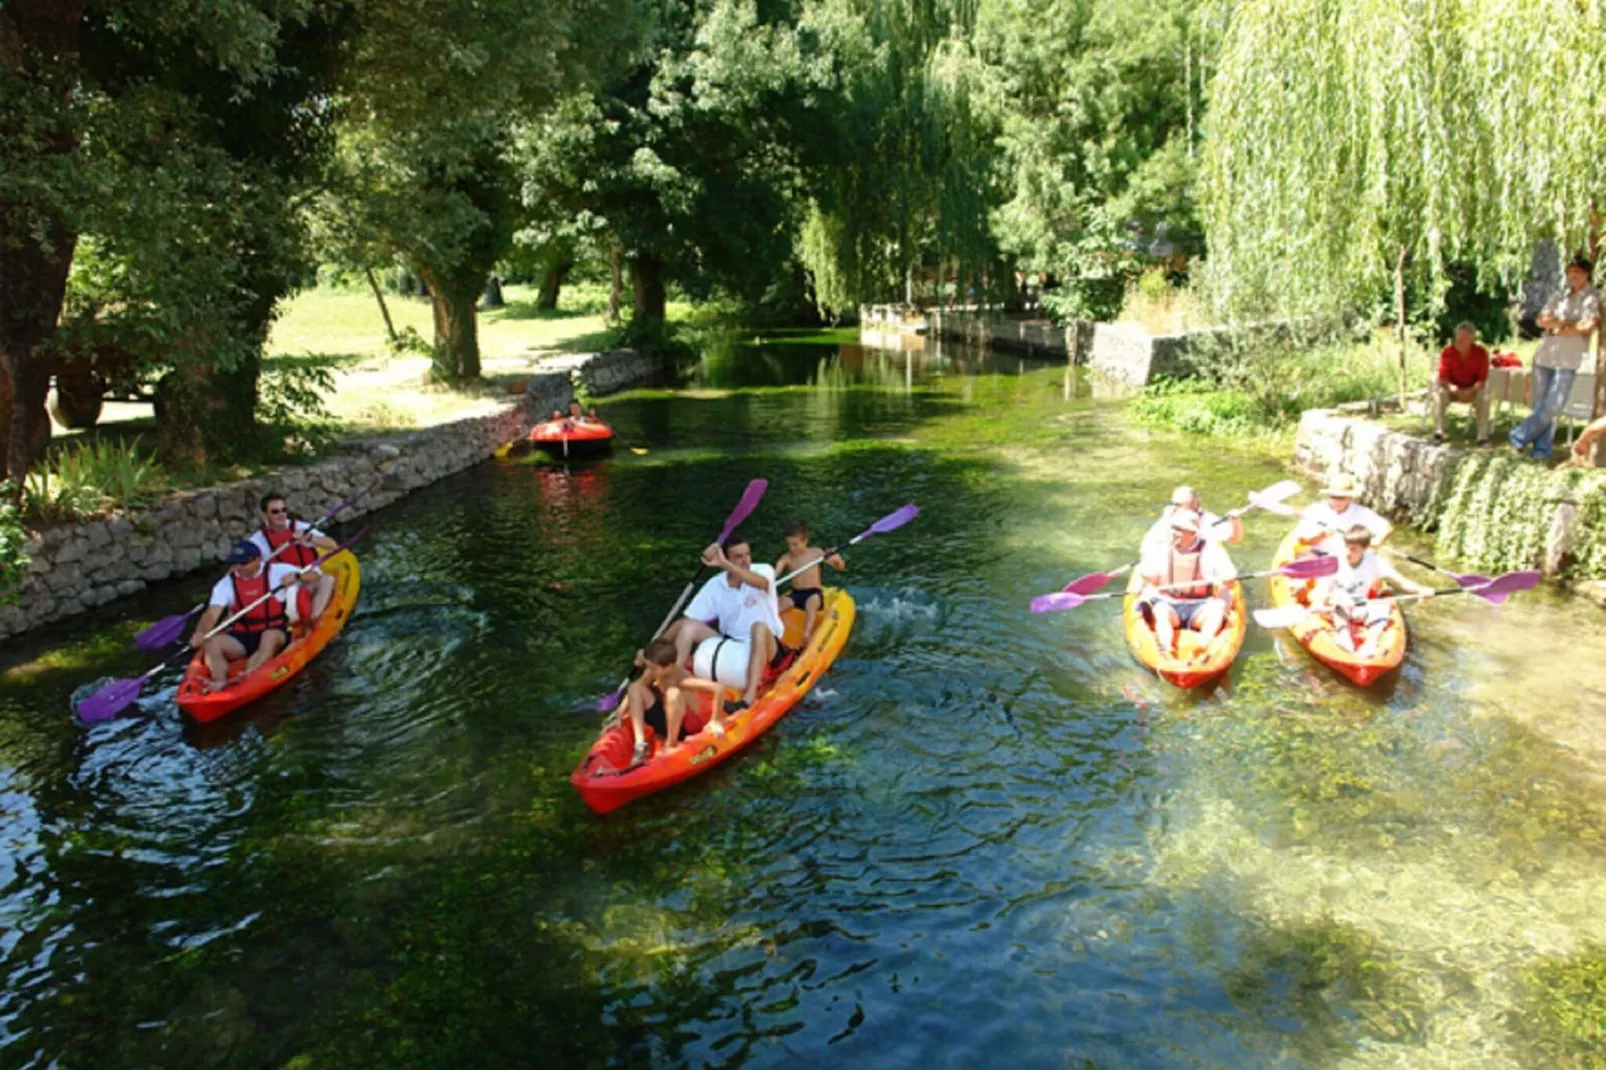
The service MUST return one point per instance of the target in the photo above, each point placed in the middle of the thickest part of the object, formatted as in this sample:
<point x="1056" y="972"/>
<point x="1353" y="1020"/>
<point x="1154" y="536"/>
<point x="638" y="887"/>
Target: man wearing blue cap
<point x="264" y="628"/>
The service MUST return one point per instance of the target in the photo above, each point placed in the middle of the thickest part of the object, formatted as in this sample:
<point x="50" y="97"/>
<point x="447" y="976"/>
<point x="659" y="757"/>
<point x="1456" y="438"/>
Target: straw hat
<point x="1341" y="486"/>
<point x="1185" y="520"/>
<point x="1184" y="496"/>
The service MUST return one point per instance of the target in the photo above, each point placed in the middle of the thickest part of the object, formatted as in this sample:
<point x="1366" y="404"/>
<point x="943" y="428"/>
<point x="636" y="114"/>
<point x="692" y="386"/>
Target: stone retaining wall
<point x="1037" y="337"/>
<point x="1400" y="475"/>
<point x="1129" y="354"/>
<point x="78" y="567"/>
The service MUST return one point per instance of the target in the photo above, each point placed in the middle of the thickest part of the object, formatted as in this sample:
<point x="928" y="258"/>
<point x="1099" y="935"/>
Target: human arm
<point x="1587" y="437"/>
<point x="207" y="622"/>
<point x="714" y="557"/>
<point x="1397" y="579"/>
<point x="836" y="562"/>
<point x="308" y="535"/>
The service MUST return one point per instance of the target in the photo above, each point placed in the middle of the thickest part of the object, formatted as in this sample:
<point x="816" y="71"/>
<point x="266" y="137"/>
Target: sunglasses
<point x="278" y="512"/>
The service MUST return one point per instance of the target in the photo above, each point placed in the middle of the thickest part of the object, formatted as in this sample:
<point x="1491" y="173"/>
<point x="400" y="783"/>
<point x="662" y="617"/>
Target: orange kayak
<point x="1316" y="634"/>
<point x="304" y="645"/>
<point x="566" y="438"/>
<point x="1197" y="660"/>
<point x="604" y="779"/>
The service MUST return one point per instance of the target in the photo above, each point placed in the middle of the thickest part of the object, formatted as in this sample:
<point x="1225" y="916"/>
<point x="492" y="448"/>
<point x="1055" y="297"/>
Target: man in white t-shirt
<point x="1322" y="526"/>
<point x="1351" y="595"/>
<point x="1213" y="527"/>
<point x="1184" y="584"/>
<point x="741" y="604"/>
<point x="265" y="627"/>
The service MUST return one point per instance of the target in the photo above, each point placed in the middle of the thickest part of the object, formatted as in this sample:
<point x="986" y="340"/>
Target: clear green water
<point x="985" y="839"/>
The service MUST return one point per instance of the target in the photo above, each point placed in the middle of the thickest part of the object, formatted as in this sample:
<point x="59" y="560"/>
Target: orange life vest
<point x="299" y="556"/>
<point x="269" y="614"/>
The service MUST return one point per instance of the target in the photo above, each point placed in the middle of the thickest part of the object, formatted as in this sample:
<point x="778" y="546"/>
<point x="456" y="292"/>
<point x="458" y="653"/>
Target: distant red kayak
<point x="571" y="438"/>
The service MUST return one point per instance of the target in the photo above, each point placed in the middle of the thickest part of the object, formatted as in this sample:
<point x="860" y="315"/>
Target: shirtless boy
<point x="656" y="697"/>
<point x="806" y="593"/>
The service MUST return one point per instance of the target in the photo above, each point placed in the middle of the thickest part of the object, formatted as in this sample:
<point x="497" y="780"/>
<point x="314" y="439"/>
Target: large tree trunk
<point x="647" y="273"/>
<point x="39" y="57"/>
<point x="457" y="345"/>
<point x="551" y="284"/>
<point x="616" y="291"/>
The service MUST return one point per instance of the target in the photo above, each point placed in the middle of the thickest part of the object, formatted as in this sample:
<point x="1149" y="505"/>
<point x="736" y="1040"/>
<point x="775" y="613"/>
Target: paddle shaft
<point x="813" y="564"/>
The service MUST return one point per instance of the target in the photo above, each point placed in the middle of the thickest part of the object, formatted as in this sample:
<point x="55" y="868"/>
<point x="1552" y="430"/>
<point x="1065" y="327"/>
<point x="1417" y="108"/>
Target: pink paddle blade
<point x="1050" y="603"/>
<point x="1092" y="583"/>
<point x="1472" y="579"/>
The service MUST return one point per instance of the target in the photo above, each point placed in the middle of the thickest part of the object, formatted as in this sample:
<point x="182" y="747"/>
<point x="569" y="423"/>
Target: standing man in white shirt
<point x="741" y="602"/>
<point x="1569" y="318"/>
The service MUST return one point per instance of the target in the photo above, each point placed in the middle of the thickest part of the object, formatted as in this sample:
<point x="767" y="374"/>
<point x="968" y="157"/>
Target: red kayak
<point x="572" y="438"/>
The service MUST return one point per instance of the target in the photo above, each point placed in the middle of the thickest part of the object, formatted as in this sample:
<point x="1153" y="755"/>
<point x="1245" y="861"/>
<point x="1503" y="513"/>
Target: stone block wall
<point x="77" y="567"/>
<point x="1131" y="355"/>
<point x="1038" y="337"/>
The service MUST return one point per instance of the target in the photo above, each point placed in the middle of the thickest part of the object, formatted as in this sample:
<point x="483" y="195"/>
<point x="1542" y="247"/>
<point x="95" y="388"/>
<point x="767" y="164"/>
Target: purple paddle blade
<point x="744" y="508"/>
<point x="610" y="702"/>
<point x="165" y="632"/>
<point x="1472" y="579"/>
<point x="1309" y="568"/>
<point x="110" y="700"/>
<point x="892" y="521"/>
<point x="1503" y="587"/>
<point x="1049" y="603"/>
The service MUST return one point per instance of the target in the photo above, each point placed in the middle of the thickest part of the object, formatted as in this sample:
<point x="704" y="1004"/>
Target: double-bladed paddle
<point x="1303" y="568"/>
<point x="1495" y="591"/>
<point x="1464" y="579"/>
<point x="744" y="508"/>
<point x="115" y="697"/>
<point x="891" y="522"/>
<point x="167" y="631"/>
<point x="1270" y="500"/>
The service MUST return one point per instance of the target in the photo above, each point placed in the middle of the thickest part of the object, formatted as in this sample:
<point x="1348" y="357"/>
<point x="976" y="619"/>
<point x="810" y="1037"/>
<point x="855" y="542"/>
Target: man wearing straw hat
<point x="1321" y="526"/>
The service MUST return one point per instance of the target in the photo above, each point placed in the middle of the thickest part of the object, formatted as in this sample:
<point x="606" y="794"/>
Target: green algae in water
<point x="1565" y="1016"/>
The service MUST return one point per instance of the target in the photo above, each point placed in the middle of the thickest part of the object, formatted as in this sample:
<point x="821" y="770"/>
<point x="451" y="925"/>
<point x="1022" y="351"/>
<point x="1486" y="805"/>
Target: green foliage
<point x="1565" y="1015"/>
<point x="1342" y="134"/>
<point x="290" y="406"/>
<point x="13" y="558"/>
<point x="87" y="478"/>
<point x="1495" y="511"/>
<point x="1246" y="382"/>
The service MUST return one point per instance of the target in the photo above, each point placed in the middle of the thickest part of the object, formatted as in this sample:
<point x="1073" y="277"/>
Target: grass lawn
<point x="342" y="330"/>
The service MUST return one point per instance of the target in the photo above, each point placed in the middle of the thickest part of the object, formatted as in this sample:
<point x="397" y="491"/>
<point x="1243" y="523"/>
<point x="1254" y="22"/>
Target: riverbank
<point x="1485" y="508"/>
<point x="74" y="568"/>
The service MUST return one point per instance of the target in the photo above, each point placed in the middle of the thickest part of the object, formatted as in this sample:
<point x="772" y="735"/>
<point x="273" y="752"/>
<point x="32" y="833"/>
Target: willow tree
<point x="1354" y="144"/>
<point x="906" y="173"/>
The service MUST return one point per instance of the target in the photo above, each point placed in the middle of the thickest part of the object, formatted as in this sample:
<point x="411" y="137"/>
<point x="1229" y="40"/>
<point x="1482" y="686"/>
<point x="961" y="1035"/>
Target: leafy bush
<point x="13" y="559"/>
<point x="291" y="409"/>
<point x="86" y="478"/>
<point x="1494" y="512"/>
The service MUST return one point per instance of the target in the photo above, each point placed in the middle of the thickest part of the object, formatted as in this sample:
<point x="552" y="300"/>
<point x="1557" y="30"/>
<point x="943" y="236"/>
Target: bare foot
<point x="213" y="686"/>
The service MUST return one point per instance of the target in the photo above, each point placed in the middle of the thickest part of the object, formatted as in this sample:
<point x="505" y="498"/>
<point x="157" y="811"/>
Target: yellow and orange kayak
<point x="604" y="777"/>
<point x="304" y="645"/>
<point x="1197" y="660"/>
<point x="1316" y="633"/>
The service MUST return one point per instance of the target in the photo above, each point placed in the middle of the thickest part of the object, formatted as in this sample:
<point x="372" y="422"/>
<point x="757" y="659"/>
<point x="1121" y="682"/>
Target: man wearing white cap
<point x="1322" y="526"/>
<point x="1193" y="572"/>
<point x="1214" y="528"/>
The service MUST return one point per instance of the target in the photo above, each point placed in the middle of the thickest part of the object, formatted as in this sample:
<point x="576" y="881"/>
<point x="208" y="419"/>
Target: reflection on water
<point x="987" y="838"/>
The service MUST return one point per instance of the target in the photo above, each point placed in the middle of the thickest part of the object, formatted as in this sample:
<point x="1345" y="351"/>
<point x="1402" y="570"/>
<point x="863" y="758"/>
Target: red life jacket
<point x="269" y="614"/>
<point x="1201" y="589"/>
<point x="299" y="556"/>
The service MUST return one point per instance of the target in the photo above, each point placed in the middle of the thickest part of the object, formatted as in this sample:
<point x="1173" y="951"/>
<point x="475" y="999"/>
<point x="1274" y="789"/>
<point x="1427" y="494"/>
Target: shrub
<point x="86" y="478"/>
<point x="13" y="559"/>
<point x="292" y="412"/>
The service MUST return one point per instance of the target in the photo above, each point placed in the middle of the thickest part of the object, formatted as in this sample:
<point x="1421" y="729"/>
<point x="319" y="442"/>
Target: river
<point x="986" y="838"/>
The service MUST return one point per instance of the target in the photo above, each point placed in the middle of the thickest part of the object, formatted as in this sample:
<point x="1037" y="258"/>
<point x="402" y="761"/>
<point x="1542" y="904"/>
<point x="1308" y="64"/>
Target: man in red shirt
<point x="1463" y="376"/>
